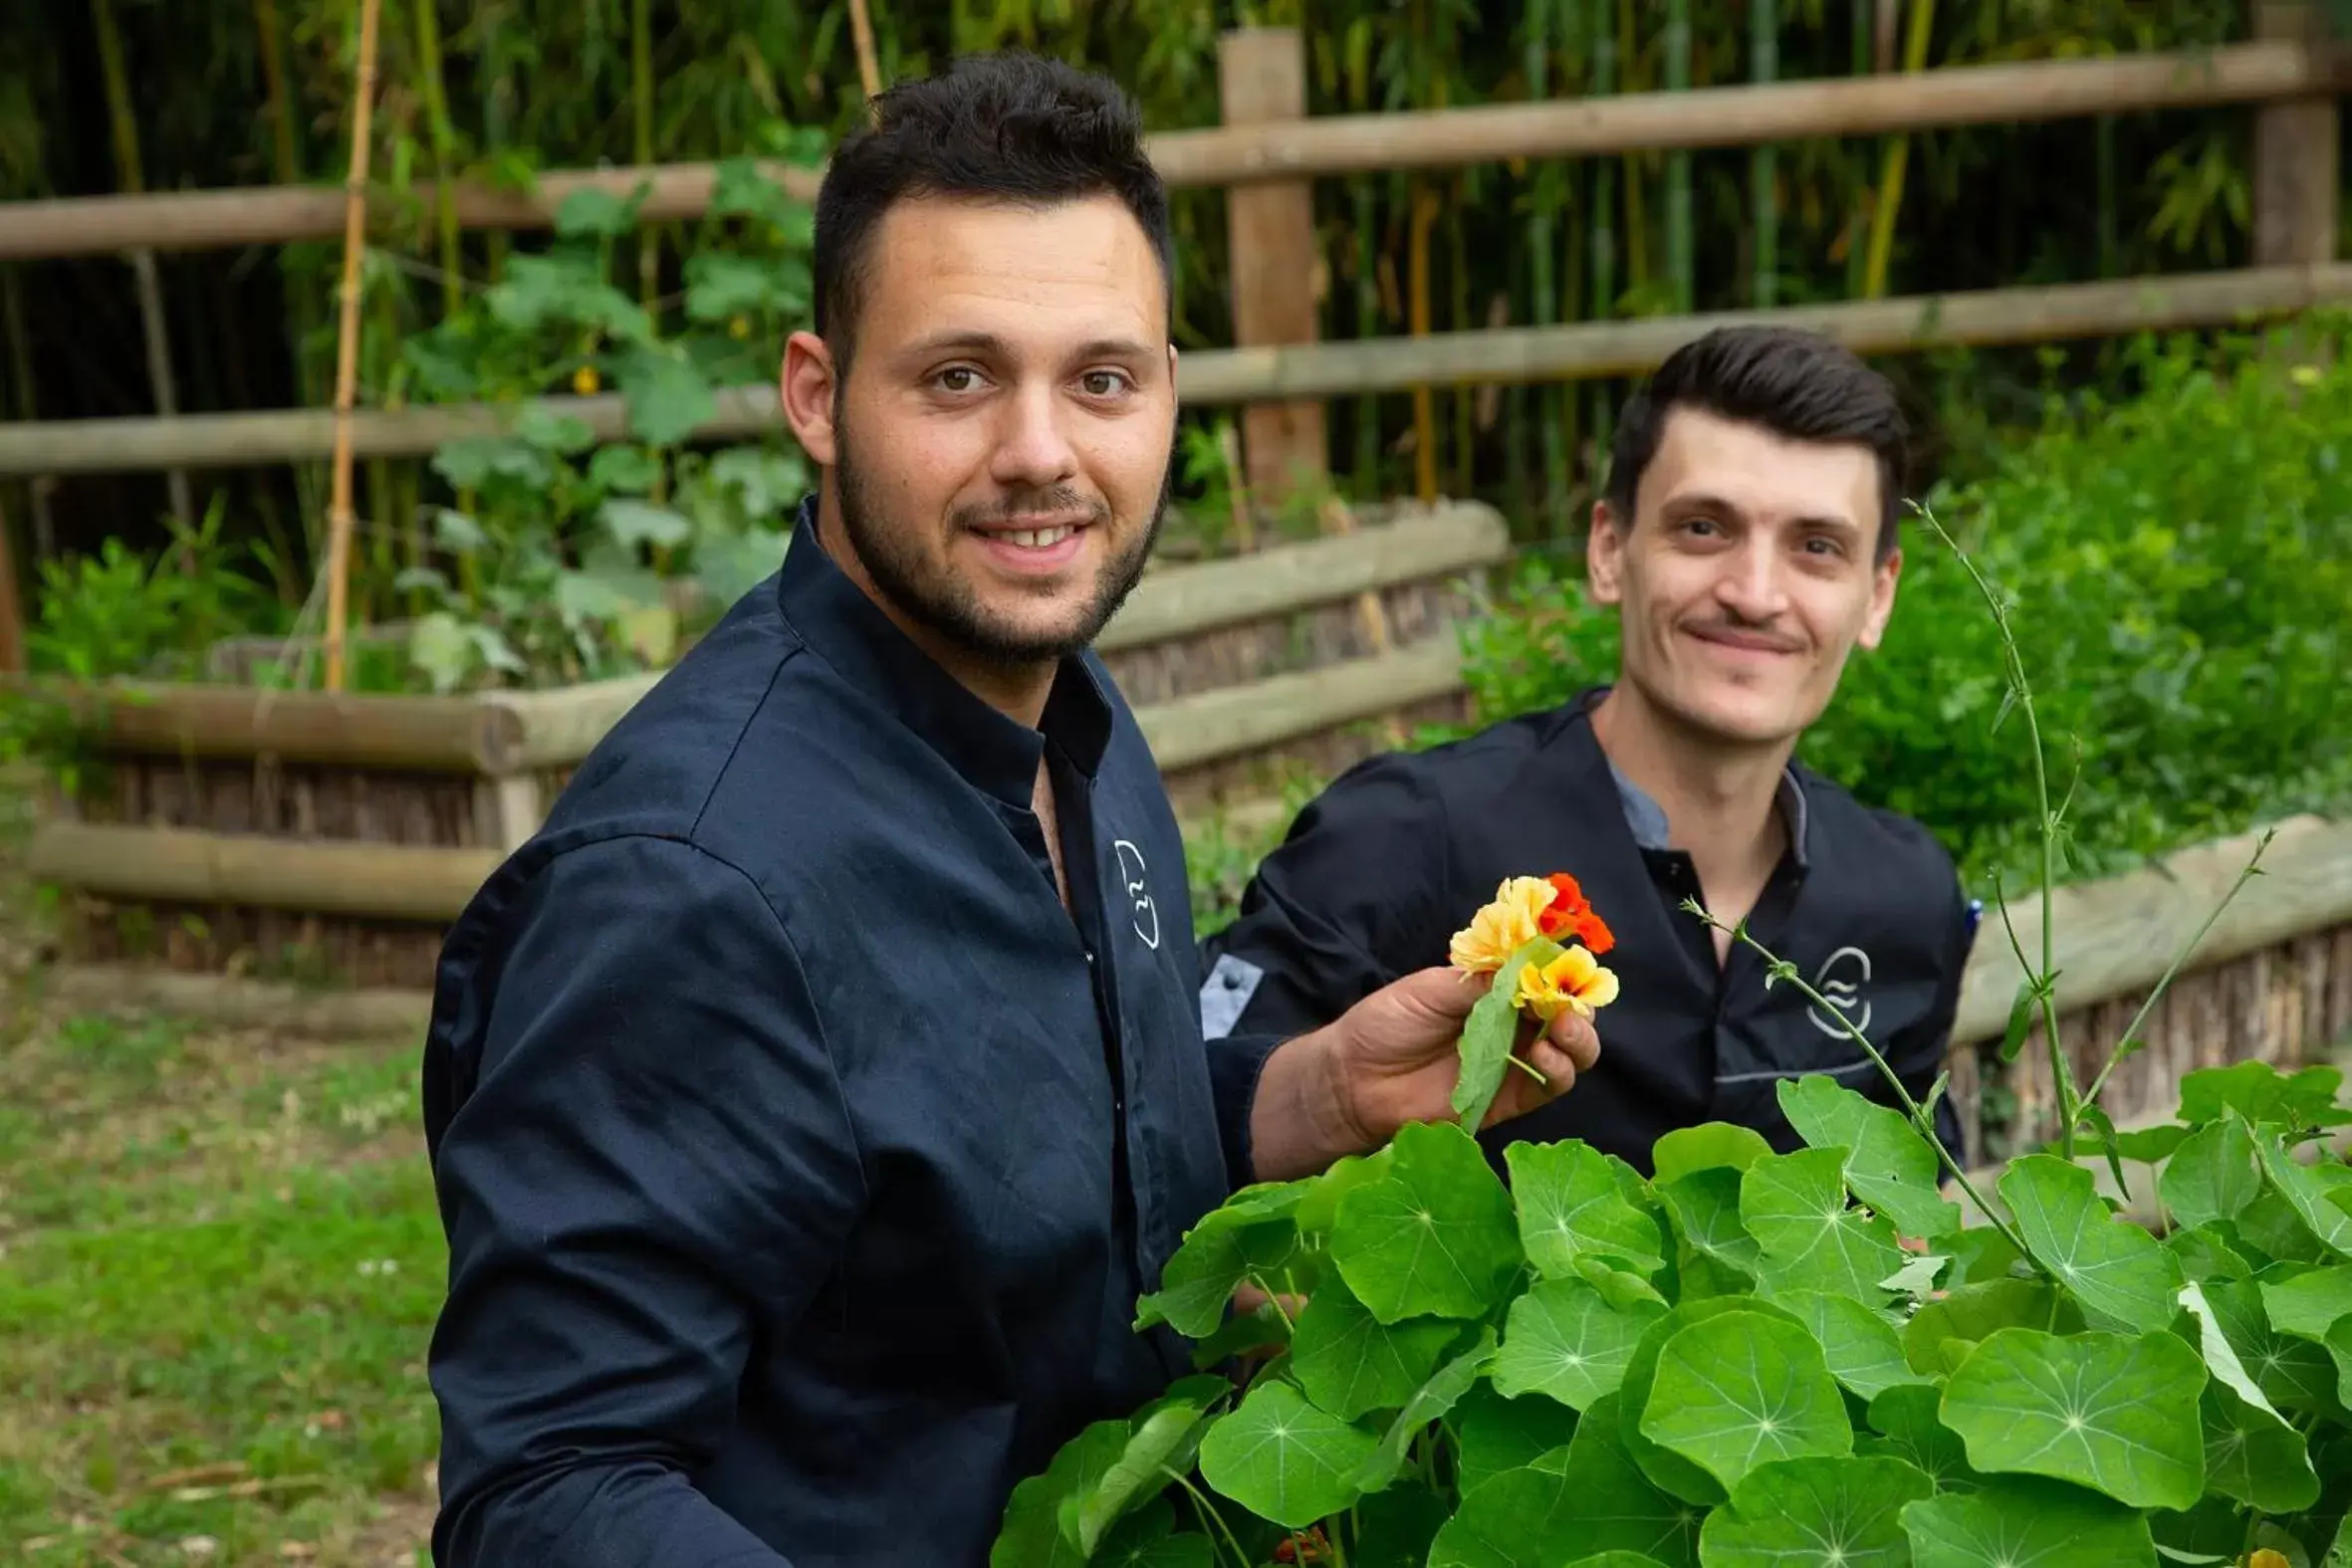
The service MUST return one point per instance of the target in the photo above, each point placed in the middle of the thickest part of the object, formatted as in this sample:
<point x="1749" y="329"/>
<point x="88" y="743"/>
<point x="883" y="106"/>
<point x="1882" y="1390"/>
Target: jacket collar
<point x="834" y="620"/>
<point x="1646" y="819"/>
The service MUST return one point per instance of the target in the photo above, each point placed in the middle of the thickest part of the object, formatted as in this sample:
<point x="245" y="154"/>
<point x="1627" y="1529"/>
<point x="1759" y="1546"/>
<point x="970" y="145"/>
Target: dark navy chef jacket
<point x="1379" y="871"/>
<point x="801" y="1157"/>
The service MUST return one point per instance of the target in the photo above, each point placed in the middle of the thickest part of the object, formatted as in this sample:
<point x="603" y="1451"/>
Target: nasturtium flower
<point x="1510" y="921"/>
<point x="1576" y="980"/>
<point x="1569" y="916"/>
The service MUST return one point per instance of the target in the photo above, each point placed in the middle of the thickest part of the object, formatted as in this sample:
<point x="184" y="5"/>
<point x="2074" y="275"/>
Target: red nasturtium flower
<point x="1307" y="1546"/>
<point x="1569" y="914"/>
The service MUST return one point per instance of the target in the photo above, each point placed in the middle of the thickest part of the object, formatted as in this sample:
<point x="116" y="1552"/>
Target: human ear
<point x="1604" y="554"/>
<point x="804" y="389"/>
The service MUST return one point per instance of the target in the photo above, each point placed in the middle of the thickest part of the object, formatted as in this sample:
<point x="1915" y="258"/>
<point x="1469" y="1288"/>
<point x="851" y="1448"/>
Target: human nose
<point x="1750" y="585"/>
<point x="1033" y="448"/>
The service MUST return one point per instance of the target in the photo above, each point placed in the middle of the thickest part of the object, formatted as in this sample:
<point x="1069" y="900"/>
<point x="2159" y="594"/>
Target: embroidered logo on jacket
<point x="1136" y="877"/>
<point x="1842" y="992"/>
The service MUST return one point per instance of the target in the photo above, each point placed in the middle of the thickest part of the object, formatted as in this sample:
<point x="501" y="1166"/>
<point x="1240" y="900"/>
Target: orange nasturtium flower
<point x="1574" y="980"/>
<point x="1569" y="916"/>
<point x="1510" y="921"/>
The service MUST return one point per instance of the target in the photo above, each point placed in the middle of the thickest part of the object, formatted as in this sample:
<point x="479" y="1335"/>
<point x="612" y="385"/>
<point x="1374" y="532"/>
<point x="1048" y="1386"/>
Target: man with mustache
<point x="813" y="1098"/>
<point x="1748" y="541"/>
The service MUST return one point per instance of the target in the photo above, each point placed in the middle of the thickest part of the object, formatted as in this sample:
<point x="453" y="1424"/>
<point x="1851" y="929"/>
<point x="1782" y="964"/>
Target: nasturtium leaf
<point x="1703" y="1208"/>
<point x="2259" y="1092"/>
<point x="2205" y="1255"/>
<point x="1860" y="1345"/>
<point x="1904" y="1422"/>
<point x="1162" y="1438"/>
<point x="1216" y="1254"/>
<point x="2253" y="1456"/>
<point x="2294" y="1374"/>
<point x="1617" y="1560"/>
<point x="622" y="469"/>
<point x="2211" y="1532"/>
<point x="1564" y="1340"/>
<point x="1888" y="1163"/>
<point x="1743" y="1389"/>
<point x="1435" y="1237"/>
<point x="631" y="523"/>
<point x="1263" y="1327"/>
<point x="2269" y="1231"/>
<point x="1980" y="1253"/>
<point x="1493" y="1434"/>
<point x="1283" y="1459"/>
<point x="1488" y="1035"/>
<point x="1147" y="1538"/>
<point x="1430" y="1401"/>
<point x="1972" y="1312"/>
<point x="2116" y="1413"/>
<point x="2221" y="1358"/>
<point x="1351" y="1363"/>
<point x="1609" y="1503"/>
<point x="2313" y="1197"/>
<point x="1571" y="1207"/>
<point x="1709" y="1146"/>
<point x="2122" y="1276"/>
<point x="667" y="397"/>
<point x="1510" y="1520"/>
<point x="1668" y="1469"/>
<point x="2310" y="1303"/>
<point x="2339" y="1349"/>
<point x="1393" y="1528"/>
<point x="2024" y="1522"/>
<point x="2149" y="1145"/>
<point x="550" y="431"/>
<point x="1622" y="1291"/>
<point x="2214" y="1175"/>
<point x="1319" y="1205"/>
<point x="1030" y="1537"/>
<point x="1816" y="1512"/>
<point x="1795" y="1205"/>
<point x="1918" y="1278"/>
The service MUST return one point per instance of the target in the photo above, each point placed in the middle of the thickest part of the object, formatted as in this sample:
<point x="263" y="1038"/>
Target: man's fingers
<point x="1549" y="1060"/>
<point x="1576" y="1037"/>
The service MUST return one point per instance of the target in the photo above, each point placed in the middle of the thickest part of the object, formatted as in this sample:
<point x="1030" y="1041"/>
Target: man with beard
<point x="814" y="1096"/>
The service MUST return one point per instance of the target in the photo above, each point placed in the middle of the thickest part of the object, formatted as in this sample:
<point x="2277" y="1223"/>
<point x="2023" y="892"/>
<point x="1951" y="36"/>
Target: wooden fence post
<point x="2297" y="200"/>
<point x="1277" y="270"/>
<point x="12" y="614"/>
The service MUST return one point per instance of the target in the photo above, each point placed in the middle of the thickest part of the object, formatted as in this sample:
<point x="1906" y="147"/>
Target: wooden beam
<point x="1274" y="262"/>
<point x="254" y="870"/>
<point x="2297" y="194"/>
<point x="429" y="734"/>
<point x="1723" y="116"/>
<point x="1233" y="721"/>
<point x="2119" y="935"/>
<point x="238" y="1003"/>
<point x="1574" y="351"/>
<point x="1186" y="600"/>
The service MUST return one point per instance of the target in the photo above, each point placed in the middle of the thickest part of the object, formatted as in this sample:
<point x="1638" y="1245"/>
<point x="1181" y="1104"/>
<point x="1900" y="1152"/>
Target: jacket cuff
<point x="1235" y="1065"/>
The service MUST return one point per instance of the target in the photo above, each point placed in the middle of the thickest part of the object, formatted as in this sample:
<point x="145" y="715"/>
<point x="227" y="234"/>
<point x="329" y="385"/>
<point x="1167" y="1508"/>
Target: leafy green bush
<point x="2179" y="567"/>
<point x="1733" y="1364"/>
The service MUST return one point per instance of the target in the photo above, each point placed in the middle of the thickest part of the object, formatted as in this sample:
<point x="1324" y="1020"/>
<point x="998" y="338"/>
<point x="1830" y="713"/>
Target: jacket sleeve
<point x="1918" y="1054"/>
<point x="636" y="1133"/>
<point x="1341" y="908"/>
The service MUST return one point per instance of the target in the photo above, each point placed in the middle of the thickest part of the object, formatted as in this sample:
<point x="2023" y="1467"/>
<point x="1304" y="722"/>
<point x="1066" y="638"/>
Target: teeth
<point x="1039" y="539"/>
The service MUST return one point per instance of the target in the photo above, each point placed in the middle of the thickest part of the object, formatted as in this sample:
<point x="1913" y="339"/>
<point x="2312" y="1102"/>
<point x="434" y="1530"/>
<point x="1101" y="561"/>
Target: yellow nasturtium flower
<point x="1574" y="980"/>
<point x="1512" y="919"/>
<point x="583" y="379"/>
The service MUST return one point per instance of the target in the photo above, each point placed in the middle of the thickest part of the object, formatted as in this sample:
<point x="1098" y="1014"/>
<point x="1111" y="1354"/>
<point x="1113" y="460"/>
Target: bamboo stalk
<point x="339" y="514"/>
<point x="161" y="383"/>
<point x="641" y="95"/>
<point x="28" y="407"/>
<point x="1681" y="247"/>
<point x="862" y="34"/>
<point x="1355" y="366"/>
<point x="443" y="135"/>
<point x="1898" y="154"/>
<point x="1604" y="237"/>
<point x="12" y="614"/>
<point x="1763" y="163"/>
<point x="1424" y="404"/>
<point x="1542" y="290"/>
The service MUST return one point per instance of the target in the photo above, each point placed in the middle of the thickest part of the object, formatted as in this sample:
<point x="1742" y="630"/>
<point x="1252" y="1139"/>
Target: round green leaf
<point x="1430" y="1401"/>
<point x="2294" y="1374"/>
<point x="1394" y="1528"/>
<point x="2123" y="1276"/>
<point x="1147" y="1538"/>
<point x="1617" y="1560"/>
<point x="1888" y="1163"/>
<point x="2205" y="1254"/>
<point x="1598" y="1500"/>
<point x="2116" y="1413"/>
<point x="2253" y="1456"/>
<point x="1571" y="1206"/>
<point x="1492" y="1433"/>
<point x="1031" y="1535"/>
<point x="1795" y="1205"/>
<point x="1905" y="1424"/>
<point x="2212" y="1176"/>
<point x="1716" y="1254"/>
<point x="1860" y="1345"/>
<point x="1283" y="1459"/>
<point x="1564" y="1340"/>
<point x="1216" y="1254"/>
<point x="1709" y="1146"/>
<point x="1815" y="1512"/>
<point x="2309" y="1303"/>
<point x="2018" y="1521"/>
<point x="1161" y="1438"/>
<point x="1435" y="1237"/>
<point x="1941" y="1335"/>
<point x="1744" y="1389"/>
<point x="1351" y="1364"/>
<point x="2312" y="1191"/>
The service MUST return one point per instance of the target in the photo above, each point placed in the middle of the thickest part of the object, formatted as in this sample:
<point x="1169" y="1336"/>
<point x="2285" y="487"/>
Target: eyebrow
<point x="984" y="342"/>
<point x="1702" y="501"/>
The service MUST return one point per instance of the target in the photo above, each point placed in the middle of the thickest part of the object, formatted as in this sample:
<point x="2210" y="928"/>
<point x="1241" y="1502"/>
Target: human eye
<point x="1105" y="382"/>
<point x="956" y="379"/>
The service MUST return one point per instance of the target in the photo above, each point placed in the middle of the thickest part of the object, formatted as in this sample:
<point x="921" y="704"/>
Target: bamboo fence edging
<point x="2120" y="934"/>
<point x="316" y="876"/>
<point x="429" y="734"/>
<point x="1573" y="352"/>
<point x="2261" y="72"/>
<point x="1234" y="720"/>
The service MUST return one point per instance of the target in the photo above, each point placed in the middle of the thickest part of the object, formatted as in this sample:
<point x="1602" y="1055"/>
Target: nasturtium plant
<point x="1521" y="1368"/>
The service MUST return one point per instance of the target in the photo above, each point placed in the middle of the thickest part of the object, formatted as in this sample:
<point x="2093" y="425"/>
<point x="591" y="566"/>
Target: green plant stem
<point x="2090" y="1097"/>
<point x="1274" y="1300"/>
<point x="2062" y="1073"/>
<point x="1920" y="1119"/>
<point x="1208" y="1509"/>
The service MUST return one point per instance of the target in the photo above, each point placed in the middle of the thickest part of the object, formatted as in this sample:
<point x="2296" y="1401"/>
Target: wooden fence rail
<point x="1976" y="317"/>
<point x="2262" y="72"/>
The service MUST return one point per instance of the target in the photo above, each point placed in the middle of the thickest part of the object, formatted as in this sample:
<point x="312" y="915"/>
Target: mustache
<point x="1059" y="501"/>
<point x="1741" y="632"/>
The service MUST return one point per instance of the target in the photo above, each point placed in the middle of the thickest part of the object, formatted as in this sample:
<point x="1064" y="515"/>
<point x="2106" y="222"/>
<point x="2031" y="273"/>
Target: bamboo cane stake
<point x="1898" y="154"/>
<point x="347" y="356"/>
<point x="862" y="33"/>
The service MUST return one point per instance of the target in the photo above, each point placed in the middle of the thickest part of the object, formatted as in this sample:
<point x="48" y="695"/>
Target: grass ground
<point x="219" y="1264"/>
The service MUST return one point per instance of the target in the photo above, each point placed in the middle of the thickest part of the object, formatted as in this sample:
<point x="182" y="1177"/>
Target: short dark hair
<point x="1008" y="127"/>
<point x="1800" y="385"/>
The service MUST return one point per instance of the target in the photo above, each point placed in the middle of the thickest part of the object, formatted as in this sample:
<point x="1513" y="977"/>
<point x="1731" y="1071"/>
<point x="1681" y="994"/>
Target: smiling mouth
<point x="1743" y="642"/>
<point x="1036" y="537"/>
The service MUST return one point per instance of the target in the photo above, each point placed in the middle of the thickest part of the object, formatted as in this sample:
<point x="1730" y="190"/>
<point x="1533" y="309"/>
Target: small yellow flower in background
<point x="2263" y="1556"/>
<point x="1512" y="919"/>
<point x="1576" y="980"/>
<point x="741" y="327"/>
<point x="2302" y="375"/>
<point x="583" y="379"/>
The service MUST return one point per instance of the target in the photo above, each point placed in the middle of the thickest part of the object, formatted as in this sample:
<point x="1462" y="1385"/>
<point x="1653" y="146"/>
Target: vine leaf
<point x="2122" y="1276"/>
<point x="2019" y="1521"/>
<point x="1816" y="1514"/>
<point x="1795" y="1205"/>
<point x="1283" y="1459"/>
<point x="1571" y="1206"/>
<point x="1743" y="1389"/>
<point x="2116" y="1413"/>
<point x="1434" y="1236"/>
<point x="1889" y="1165"/>
<point x="1563" y="1339"/>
